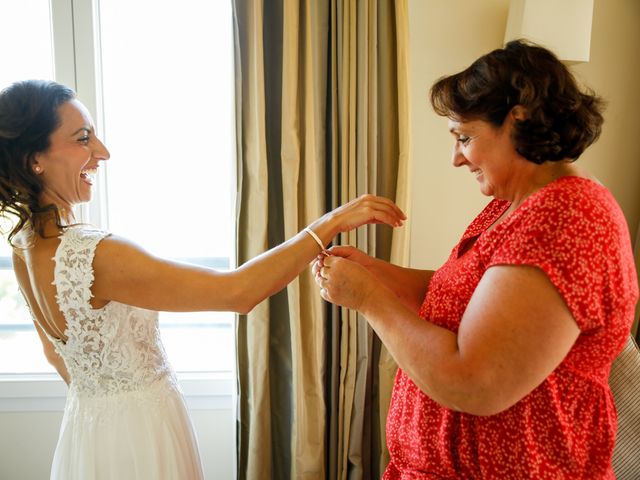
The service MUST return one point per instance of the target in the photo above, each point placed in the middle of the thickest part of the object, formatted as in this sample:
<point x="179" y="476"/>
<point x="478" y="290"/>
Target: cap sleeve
<point x="576" y="236"/>
<point x="73" y="273"/>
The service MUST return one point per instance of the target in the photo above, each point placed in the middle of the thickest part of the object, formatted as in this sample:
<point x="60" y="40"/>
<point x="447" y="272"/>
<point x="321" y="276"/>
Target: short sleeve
<point x="576" y="235"/>
<point x="73" y="272"/>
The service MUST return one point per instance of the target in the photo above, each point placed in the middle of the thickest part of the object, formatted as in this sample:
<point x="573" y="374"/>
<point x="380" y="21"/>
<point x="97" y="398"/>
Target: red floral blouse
<point x="575" y="232"/>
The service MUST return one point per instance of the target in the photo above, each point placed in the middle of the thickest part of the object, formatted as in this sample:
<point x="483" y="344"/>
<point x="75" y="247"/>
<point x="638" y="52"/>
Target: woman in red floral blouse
<point x="505" y="351"/>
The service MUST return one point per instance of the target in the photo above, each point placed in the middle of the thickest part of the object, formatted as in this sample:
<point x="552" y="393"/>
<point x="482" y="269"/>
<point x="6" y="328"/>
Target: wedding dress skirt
<point x="144" y="434"/>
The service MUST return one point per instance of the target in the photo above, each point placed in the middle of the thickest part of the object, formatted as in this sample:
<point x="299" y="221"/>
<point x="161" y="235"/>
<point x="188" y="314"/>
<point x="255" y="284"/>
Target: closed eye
<point x="465" y="140"/>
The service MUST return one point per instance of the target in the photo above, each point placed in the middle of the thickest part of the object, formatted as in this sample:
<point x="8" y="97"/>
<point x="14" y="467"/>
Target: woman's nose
<point x="101" y="152"/>
<point x="457" y="158"/>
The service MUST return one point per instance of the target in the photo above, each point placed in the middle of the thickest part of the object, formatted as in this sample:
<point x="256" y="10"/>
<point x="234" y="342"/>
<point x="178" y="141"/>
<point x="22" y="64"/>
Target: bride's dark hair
<point x="28" y="117"/>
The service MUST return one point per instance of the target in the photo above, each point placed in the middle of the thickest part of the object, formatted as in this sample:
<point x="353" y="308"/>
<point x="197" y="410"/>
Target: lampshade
<point x="562" y="26"/>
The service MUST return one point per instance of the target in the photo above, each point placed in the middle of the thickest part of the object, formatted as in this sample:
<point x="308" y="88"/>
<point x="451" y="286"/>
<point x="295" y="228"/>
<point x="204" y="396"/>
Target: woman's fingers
<point x="320" y="274"/>
<point x="330" y="260"/>
<point x="318" y="263"/>
<point x="315" y="268"/>
<point x="342" y="281"/>
<point x="322" y="279"/>
<point x="344" y="251"/>
<point x="324" y="294"/>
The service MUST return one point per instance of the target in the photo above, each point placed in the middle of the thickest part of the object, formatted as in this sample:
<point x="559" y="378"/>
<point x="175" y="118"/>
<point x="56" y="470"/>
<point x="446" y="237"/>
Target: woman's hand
<point x="348" y="252"/>
<point x="408" y="284"/>
<point x="343" y="282"/>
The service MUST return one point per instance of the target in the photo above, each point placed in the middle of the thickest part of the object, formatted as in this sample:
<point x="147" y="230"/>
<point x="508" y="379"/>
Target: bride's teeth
<point x="89" y="174"/>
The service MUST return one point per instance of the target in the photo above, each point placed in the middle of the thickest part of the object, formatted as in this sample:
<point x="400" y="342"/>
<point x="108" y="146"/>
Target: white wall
<point x="27" y="442"/>
<point x="445" y="37"/>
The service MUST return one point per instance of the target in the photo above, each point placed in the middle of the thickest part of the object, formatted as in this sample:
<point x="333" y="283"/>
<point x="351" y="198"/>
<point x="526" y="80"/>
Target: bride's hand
<point x="364" y="209"/>
<point x="367" y="209"/>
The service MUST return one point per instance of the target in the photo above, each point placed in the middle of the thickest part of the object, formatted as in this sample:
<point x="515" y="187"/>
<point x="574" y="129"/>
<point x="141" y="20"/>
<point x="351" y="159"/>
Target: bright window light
<point x="27" y="52"/>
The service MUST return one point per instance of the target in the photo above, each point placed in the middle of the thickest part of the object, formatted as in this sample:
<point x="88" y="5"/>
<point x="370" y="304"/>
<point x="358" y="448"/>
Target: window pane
<point x="27" y="52"/>
<point x="168" y="126"/>
<point x="20" y="347"/>
<point x="25" y="41"/>
<point x="167" y="95"/>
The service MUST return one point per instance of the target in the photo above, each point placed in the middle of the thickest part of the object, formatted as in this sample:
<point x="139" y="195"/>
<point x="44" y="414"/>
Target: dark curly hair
<point x="28" y="117"/>
<point x="561" y="121"/>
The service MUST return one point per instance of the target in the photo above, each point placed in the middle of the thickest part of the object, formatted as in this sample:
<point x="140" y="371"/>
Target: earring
<point x="37" y="169"/>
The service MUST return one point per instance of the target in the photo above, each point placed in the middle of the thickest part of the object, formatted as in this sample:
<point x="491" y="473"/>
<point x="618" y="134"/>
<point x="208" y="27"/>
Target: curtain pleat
<point x="371" y="140"/>
<point x="322" y="113"/>
<point x="399" y="248"/>
<point x="254" y="454"/>
<point x="303" y="152"/>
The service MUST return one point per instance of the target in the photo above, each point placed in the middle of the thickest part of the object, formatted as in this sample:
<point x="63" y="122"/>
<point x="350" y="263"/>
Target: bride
<point x="94" y="296"/>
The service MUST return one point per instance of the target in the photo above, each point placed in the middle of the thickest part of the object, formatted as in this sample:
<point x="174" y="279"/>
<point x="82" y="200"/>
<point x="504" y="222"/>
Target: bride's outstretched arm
<point x="126" y="273"/>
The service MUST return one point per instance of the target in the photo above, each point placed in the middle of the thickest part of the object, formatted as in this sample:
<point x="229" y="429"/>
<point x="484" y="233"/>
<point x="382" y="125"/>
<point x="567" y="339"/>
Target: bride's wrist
<point x="325" y="228"/>
<point x="316" y="239"/>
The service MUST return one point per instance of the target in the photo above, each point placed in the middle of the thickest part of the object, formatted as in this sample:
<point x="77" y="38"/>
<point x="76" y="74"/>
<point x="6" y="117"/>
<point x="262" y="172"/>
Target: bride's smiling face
<point x="68" y="165"/>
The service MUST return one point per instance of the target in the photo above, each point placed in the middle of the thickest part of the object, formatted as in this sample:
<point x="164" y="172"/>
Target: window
<point x="30" y="56"/>
<point x="161" y="97"/>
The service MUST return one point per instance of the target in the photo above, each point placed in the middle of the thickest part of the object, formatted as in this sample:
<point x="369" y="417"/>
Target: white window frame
<point x="76" y="65"/>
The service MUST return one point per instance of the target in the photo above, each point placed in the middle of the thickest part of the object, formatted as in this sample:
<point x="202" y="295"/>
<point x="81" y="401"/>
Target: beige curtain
<point x="322" y="113"/>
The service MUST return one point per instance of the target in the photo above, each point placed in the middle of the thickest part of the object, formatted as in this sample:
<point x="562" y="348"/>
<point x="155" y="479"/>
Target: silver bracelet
<point x="317" y="239"/>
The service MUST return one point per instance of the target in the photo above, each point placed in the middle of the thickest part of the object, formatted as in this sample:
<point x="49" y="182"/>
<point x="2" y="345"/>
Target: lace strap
<point x="73" y="272"/>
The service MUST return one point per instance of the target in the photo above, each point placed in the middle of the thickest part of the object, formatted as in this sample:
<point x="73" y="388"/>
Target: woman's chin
<point x="486" y="190"/>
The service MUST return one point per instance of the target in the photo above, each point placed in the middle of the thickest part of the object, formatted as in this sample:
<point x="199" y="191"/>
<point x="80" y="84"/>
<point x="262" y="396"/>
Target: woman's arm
<point x="50" y="353"/>
<point x="52" y="356"/>
<point x="127" y="274"/>
<point x="515" y="331"/>
<point x="408" y="284"/>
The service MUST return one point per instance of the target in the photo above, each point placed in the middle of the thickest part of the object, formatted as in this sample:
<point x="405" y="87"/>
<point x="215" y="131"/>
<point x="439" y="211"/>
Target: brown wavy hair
<point x="562" y="121"/>
<point x="28" y="117"/>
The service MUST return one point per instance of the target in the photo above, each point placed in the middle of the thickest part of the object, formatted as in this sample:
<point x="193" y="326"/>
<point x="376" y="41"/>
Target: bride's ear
<point x="518" y="113"/>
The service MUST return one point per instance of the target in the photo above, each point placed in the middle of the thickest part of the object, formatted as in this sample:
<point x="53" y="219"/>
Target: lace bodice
<point x="108" y="350"/>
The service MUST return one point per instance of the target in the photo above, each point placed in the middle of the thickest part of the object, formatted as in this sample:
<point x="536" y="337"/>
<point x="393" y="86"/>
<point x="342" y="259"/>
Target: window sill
<point x="47" y="392"/>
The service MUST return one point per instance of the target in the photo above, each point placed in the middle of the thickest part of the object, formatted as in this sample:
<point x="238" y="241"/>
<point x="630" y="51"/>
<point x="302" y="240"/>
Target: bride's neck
<point x="51" y="221"/>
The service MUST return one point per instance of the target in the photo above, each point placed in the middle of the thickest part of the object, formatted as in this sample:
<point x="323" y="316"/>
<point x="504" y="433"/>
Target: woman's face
<point x="68" y="165"/>
<point x="489" y="153"/>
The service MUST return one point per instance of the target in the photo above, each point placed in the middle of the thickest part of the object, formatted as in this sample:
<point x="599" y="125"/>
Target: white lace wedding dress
<point x="125" y="417"/>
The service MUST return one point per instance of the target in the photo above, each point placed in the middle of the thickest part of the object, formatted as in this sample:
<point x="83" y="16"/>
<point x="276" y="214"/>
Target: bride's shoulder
<point x="80" y="240"/>
<point x="84" y="231"/>
<point x="117" y="250"/>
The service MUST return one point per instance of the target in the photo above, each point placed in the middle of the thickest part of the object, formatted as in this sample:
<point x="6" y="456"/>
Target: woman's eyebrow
<point x="86" y="129"/>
